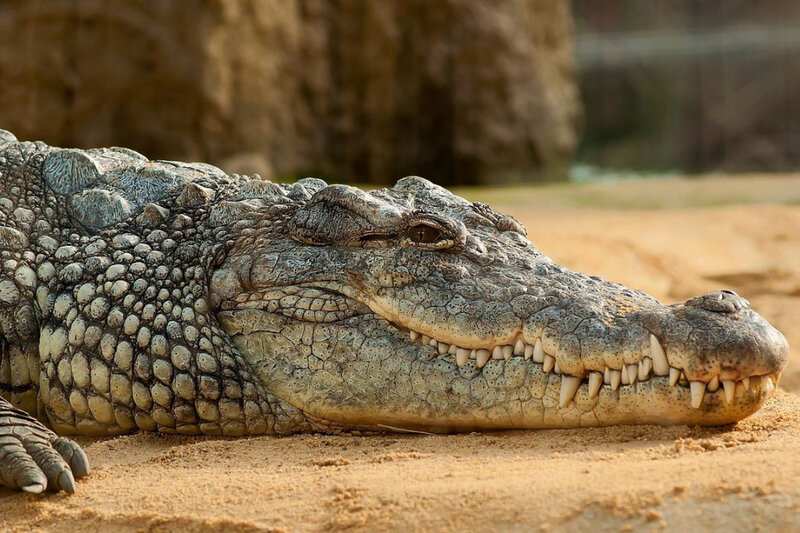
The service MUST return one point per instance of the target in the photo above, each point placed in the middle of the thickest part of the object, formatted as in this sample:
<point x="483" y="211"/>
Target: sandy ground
<point x="738" y="478"/>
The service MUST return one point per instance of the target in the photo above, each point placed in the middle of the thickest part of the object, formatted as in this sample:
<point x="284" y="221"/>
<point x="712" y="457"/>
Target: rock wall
<point x="462" y="91"/>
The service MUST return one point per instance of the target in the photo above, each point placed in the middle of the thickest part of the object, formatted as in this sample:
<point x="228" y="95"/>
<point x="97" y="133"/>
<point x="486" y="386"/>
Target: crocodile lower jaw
<point x="649" y="367"/>
<point x="330" y="303"/>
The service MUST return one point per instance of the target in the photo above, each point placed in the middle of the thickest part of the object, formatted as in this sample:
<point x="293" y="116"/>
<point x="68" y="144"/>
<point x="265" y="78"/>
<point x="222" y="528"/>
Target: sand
<point x="644" y="478"/>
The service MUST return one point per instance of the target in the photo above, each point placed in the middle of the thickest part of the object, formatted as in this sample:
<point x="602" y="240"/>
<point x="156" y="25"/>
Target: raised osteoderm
<point x="164" y="296"/>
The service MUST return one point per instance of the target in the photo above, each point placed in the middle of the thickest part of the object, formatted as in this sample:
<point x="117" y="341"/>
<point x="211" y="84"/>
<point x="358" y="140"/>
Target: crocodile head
<point x="413" y="308"/>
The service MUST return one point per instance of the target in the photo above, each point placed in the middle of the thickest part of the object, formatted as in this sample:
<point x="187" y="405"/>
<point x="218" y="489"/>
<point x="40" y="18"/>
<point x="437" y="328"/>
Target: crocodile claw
<point x="33" y="458"/>
<point x="73" y="455"/>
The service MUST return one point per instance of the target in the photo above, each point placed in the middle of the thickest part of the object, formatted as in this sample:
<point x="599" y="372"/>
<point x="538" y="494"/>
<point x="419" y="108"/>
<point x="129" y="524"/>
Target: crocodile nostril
<point x="724" y="301"/>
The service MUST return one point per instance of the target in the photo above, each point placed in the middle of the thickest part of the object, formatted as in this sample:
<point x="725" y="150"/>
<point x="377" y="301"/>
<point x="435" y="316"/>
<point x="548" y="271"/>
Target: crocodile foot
<point x="33" y="458"/>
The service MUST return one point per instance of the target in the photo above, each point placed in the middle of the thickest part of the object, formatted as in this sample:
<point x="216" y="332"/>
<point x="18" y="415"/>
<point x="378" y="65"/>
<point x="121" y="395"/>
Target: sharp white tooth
<point x="434" y="343"/>
<point x="508" y="350"/>
<point x="425" y="339"/>
<point x="624" y="375"/>
<point x="713" y="384"/>
<point x="443" y="348"/>
<point x="633" y="372"/>
<point x="698" y="389"/>
<point x="595" y="382"/>
<point x="538" y="352"/>
<point x="730" y="389"/>
<point x="607" y="376"/>
<point x="569" y="386"/>
<point x="528" y="351"/>
<point x="660" y="362"/>
<point x="452" y="350"/>
<point x="645" y="366"/>
<point x="462" y="356"/>
<point x="746" y="383"/>
<point x="497" y="352"/>
<point x="519" y="347"/>
<point x="674" y="375"/>
<point x="549" y="362"/>
<point x="414" y="335"/>
<point x="482" y="356"/>
<point x="616" y="375"/>
<point x="556" y="368"/>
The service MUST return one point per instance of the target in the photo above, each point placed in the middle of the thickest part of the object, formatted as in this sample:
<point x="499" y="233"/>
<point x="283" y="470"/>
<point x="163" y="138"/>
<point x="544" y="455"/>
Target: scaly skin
<point x="162" y="296"/>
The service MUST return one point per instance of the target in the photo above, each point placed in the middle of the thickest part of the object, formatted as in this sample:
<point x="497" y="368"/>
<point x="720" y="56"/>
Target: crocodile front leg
<point x="33" y="458"/>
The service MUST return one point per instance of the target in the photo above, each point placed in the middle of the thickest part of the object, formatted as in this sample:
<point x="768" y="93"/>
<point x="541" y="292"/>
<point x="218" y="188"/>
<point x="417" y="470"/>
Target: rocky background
<point x="461" y="91"/>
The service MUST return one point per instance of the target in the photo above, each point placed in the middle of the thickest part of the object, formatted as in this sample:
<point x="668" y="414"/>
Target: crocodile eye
<point x="424" y="234"/>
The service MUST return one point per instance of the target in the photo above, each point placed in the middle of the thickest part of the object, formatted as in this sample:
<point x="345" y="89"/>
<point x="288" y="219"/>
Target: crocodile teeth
<point x="660" y="362"/>
<point x="645" y="366"/>
<point x="519" y="347"/>
<point x="549" y="362"/>
<point x="482" y="356"/>
<point x="698" y="389"/>
<point x="569" y="386"/>
<point x="746" y="383"/>
<point x="730" y="389"/>
<point x="655" y="363"/>
<point x="538" y="352"/>
<point x="615" y="378"/>
<point x="624" y="375"/>
<point x="528" y="351"/>
<point x="595" y="382"/>
<point x="507" y="351"/>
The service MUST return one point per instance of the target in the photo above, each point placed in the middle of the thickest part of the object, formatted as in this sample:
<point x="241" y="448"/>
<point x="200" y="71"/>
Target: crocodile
<point x="140" y="295"/>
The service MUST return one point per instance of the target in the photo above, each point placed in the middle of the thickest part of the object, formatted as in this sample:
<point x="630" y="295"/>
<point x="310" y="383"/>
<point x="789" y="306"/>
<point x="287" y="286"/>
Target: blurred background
<point x="550" y="110"/>
<point x="461" y="91"/>
<point x="689" y="85"/>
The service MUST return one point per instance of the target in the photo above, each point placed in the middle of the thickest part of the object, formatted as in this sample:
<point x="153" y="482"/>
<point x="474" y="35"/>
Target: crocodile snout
<point x="718" y="336"/>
